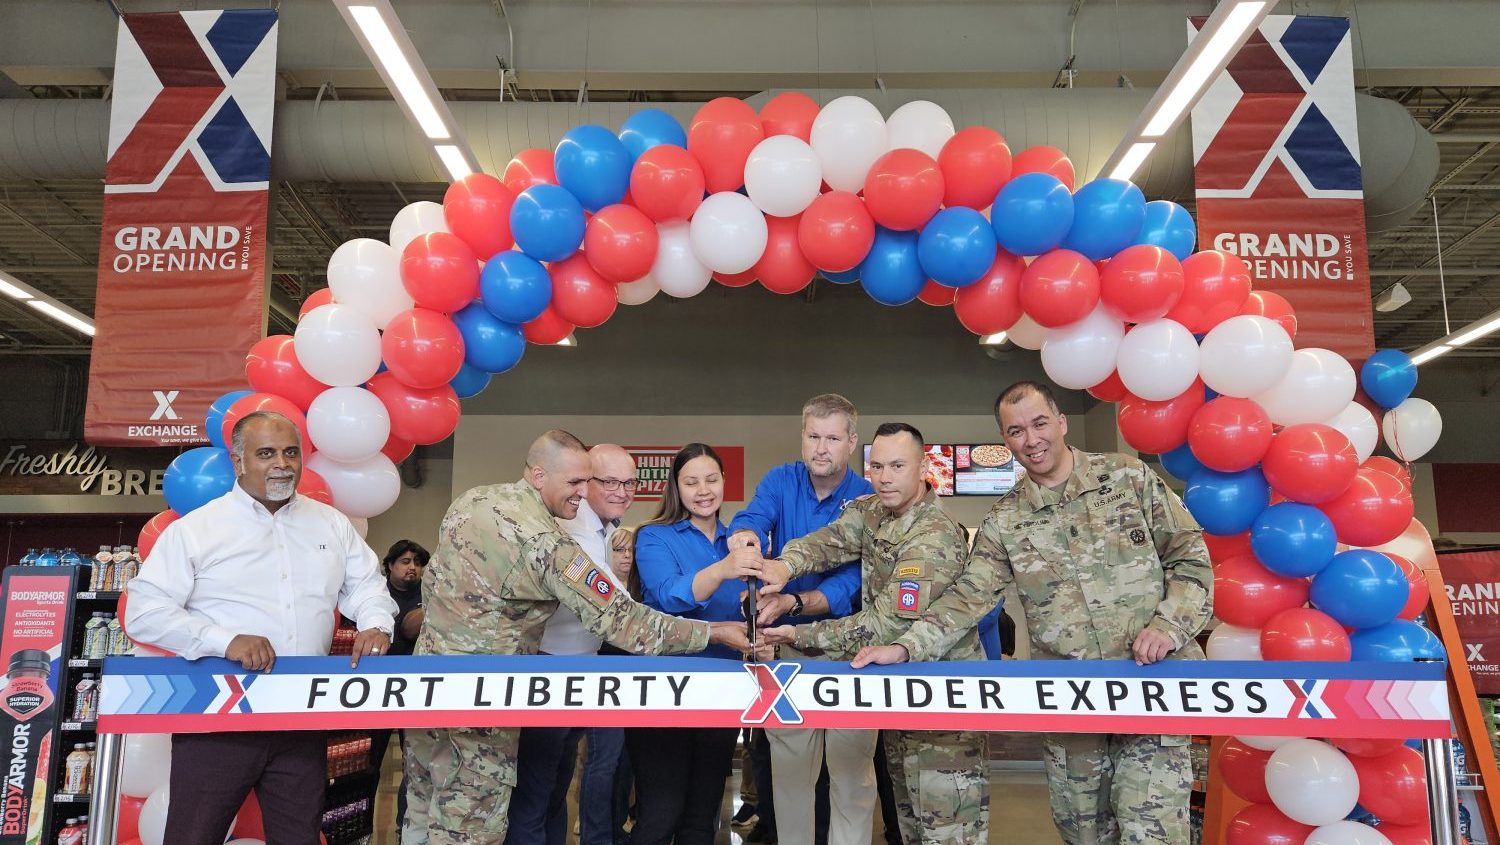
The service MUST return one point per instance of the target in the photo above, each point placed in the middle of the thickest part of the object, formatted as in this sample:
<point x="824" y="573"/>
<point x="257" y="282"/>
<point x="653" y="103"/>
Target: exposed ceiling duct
<point x="373" y="142"/>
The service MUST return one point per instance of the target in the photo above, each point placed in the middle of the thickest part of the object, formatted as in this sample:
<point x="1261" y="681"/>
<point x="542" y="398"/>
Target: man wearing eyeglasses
<point x="539" y="807"/>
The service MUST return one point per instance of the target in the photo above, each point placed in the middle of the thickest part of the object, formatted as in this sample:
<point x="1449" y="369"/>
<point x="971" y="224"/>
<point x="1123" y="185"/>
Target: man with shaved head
<point x="502" y="567"/>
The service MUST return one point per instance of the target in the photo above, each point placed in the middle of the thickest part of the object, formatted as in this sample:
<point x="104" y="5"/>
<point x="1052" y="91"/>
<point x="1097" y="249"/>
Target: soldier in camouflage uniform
<point x="502" y="567"/>
<point x="1109" y="566"/>
<point x="911" y="552"/>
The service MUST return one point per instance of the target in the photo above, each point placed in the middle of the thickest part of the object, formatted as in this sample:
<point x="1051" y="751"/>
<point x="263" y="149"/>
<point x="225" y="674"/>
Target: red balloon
<point x="440" y="271"/>
<point x="271" y="402"/>
<point x="1419" y="591"/>
<point x="422" y="348"/>
<point x="128" y="818"/>
<point x="579" y="294"/>
<point x="313" y="486"/>
<point x="904" y="189"/>
<point x="1157" y="427"/>
<point x="1263" y="824"/>
<point x="1244" y="770"/>
<point x="789" y="113"/>
<point x="547" y="329"/>
<point x="1375" y="509"/>
<point x="620" y="243"/>
<point x="1059" y="287"/>
<point x="530" y="167"/>
<point x="397" y="449"/>
<point x="1272" y="306"/>
<point x="272" y="367"/>
<point x="1302" y="633"/>
<point x="418" y="415"/>
<point x="667" y="183"/>
<point x="783" y="268"/>
<point x="1215" y="287"/>
<point x="146" y="540"/>
<point x="1310" y="463"/>
<point x="1366" y="747"/>
<point x="976" y="165"/>
<point x="935" y="294"/>
<point x="1229" y="434"/>
<point x="736" y="280"/>
<point x="992" y="304"/>
<point x="477" y="211"/>
<point x="1224" y="546"/>
<point x="1247" y="594"/>
<point x="1389" y="467"/>
<point x="1111" y="389"/>
<point x="1409" y="834"/>
<point x="1393" y="786"/>
<point x="836" y="231"/>
<point x="321" y="296"/>
<point x="1043" y="160"/>
<point x="1140" y="283"/>
<point x="721" y="136"/>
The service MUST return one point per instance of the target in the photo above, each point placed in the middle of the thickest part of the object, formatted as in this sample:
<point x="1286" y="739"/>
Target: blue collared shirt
<point x="668" y="557"/>
<point x="786" y="507"/>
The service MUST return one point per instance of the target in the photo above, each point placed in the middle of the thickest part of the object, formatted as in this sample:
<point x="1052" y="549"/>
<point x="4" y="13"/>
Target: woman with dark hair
<point x="685" y="568"/>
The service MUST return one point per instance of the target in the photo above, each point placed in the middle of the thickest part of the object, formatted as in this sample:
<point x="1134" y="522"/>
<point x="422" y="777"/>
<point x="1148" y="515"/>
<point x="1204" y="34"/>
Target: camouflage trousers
<point x="1119" y="788"/>
<point x="458" y="785"/>
<point x="942" y="785"/>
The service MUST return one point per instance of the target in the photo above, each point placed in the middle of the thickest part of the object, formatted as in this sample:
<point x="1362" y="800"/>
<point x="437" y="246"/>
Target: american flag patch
<point x="576" y="569"/>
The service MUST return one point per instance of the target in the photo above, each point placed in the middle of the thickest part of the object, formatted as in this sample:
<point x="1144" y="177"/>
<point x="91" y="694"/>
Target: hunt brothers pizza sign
<point x="65" y="467"/>
<point x="653" y="465"/>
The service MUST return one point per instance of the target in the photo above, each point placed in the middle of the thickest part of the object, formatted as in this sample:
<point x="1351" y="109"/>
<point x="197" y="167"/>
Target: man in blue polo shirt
<point x="793" y="500"/>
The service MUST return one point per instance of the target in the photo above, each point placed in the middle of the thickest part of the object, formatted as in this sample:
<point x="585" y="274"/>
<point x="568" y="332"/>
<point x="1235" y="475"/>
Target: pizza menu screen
<point x="970" y="469"/>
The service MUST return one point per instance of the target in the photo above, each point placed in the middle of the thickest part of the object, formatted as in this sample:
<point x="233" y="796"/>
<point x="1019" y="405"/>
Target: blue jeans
<point x="544" y="768"/>
<point x="604" y="790"/>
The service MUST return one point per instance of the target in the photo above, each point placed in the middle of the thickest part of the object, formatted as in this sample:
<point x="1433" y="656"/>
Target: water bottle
<point x="93" y="633"/>
<point x="48" y="557"/>
<point x="28" y="559"/>
<point x="70" y="557"/>
<point x="101" y="565"/>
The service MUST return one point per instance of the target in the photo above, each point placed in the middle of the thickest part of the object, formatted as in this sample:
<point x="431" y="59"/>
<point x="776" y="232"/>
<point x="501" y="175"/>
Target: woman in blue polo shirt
<point x="686" y="569"/>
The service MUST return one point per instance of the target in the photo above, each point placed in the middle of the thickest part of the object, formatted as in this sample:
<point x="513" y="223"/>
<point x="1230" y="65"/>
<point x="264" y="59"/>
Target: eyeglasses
<point x="613" y="484"/>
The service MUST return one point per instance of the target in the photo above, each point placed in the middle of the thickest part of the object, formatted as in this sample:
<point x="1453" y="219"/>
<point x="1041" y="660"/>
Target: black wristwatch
<point x="796" y="606"/>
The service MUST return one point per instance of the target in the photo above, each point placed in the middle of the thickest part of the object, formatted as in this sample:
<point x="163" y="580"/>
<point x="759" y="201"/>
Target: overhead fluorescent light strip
<point x="453" y="159"/>
<point x="1469" y="335"/>
<point x="12" y="291"/>
<point x="995" y="339"/>
<point x="403" y="77"/>
<point x="1132" y="160"/>
<point x="1203" y="69"/>
<point x="58" y="313"/>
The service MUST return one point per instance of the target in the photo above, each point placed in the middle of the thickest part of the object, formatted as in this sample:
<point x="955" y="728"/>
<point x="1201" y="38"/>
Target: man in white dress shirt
<point x="256" y="573"/>
<point x="544" y="765"/>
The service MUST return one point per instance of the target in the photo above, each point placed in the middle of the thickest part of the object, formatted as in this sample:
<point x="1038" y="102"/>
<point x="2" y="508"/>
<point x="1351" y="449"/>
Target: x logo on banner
<point x="164" y="400"/>
<point x="772" y="698"/>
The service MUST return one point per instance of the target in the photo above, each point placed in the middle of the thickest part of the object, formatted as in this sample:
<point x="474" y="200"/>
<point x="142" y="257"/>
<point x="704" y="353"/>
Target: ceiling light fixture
<point x="1392" y="298"/>
<point x="996" y="339"/>
<point x="1468" y="334"/>
<point x="570" y="340"/>
<point x="19" y="290"/>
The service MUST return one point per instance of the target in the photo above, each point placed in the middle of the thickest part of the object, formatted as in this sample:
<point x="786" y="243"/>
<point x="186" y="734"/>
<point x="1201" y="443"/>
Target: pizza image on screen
<point x="989" y="455"/>
<point x="940" y="469"/>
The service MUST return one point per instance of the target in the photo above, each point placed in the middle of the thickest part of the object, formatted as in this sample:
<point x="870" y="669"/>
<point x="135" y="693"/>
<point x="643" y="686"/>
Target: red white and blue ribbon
<point x="171" y="695"/>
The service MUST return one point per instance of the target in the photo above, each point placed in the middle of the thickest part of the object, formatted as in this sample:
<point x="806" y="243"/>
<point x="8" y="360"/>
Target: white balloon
<point x="920" y="125"/>
<point x="146" y="764"/>
<point x="1358" y="424"/>
<point x="1231" y="642"/>
<point x="361" y="525"/>
<point x="360" y="488"/>
<point x="366" y="274"/>
<point x="638" y="292"/>
<point x="1082" y="354"/>
<point x="1346" y="833"/>
<point x="1158" y="360"/>
<point x="783" y="176"/>
<point x="1312" y="782"/>
<point x="419" y="218"/>
<point x="348" y="423"/>
<point x="152" y="828"/>
<point x="1266" y="743"/>
<point x="1412" y="428"/>
<point x="677" y="271"/>
<point x="338" y="345"/>
<point x="1317" y="385"/>
<point x="1027" y="333"/>
<point x="1245" y="355"/>
<point x="848" y="135"/>
<point x="728" y="233"/>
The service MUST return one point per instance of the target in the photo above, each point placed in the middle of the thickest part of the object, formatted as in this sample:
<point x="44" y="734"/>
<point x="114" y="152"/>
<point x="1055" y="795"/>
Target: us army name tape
<point x="172" y="695"/>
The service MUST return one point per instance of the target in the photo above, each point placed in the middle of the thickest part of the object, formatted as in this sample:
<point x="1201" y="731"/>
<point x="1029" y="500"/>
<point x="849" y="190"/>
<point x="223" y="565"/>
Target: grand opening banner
<point x="182" y="254"/>
<point x="1276" y="165"/>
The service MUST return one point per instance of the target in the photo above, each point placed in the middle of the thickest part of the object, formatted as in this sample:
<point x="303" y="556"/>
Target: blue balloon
<point x="593" y="165"/>
<point x="1402" y="641"/>
<point x="956" y="247"/>
<point x="515" y="287"/>
<point x="197" y="477"/>
<point x="848" y="277"/>
<point x="1360" y="589"/>
<point x="1227" y="502"/>
<point x="1389" y="377"/>
<point x="1032" y="214"/>
<point x="214" y="420"/>
<point x="547" y="222"/>
<point x="1181" y="462"/>
<point x="1107" y="216"/>
<point x="649" y="128"/>
<point x="892" y="273"/>
<point x="490" y="344"/>
<point x="1292" y="539"/>
<point x="1169" y="226"/>
<point x="470" y="381"/>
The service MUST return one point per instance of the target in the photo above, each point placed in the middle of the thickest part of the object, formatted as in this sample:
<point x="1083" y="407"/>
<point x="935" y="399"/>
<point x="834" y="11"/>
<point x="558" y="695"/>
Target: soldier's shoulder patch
<point x="575" y="570"/>
<point x="909" y="596"/>
<point x="599" y="583"/>
<point x="1103" y="477"/>
<point x="909" y="572"/>
<point x="1138" y="536"/>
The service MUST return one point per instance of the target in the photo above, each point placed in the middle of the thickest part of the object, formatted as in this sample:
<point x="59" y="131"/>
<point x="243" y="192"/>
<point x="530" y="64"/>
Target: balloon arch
<point x="1274" y="448"/>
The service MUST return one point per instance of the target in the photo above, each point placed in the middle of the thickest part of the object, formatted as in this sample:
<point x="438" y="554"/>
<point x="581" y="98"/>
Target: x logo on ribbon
<point x="772" y="697"/>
